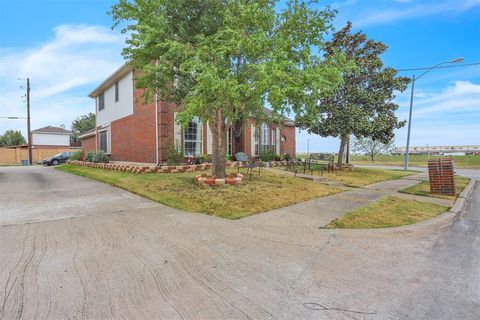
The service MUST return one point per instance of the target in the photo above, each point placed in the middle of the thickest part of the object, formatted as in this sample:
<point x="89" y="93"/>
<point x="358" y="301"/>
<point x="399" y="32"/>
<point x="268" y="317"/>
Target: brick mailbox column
<point x="441" y="174"/>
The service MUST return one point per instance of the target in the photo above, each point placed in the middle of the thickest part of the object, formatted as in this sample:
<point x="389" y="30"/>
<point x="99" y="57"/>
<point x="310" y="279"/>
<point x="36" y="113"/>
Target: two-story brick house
<point x="130" y="130"/>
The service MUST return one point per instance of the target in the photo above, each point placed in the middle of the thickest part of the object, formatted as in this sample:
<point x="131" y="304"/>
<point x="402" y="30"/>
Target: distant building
<point x="51" y="136"/>
<point x="462" y="150"/>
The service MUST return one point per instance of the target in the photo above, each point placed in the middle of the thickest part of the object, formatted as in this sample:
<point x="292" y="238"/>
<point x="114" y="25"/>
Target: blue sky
<point x="67" y="48"/>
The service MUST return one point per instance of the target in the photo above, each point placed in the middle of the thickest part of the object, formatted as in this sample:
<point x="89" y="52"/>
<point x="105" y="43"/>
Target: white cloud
<point x="410" y="10"/>
<point x="458" y="98"/>
<point x="61" y="71"/>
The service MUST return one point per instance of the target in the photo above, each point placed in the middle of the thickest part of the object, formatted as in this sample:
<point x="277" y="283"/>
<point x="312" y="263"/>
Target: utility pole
<point x="28" y="124"/>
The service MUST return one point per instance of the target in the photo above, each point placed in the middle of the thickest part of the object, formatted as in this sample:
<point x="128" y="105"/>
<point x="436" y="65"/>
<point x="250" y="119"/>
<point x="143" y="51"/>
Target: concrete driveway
<point x="128" y="258"/>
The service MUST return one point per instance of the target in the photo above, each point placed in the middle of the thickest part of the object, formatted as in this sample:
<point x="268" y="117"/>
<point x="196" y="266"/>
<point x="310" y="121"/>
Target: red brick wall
<point x="441" y="173"/>
<point x="88" y="144"/>
<point x="289" y="145"/>
<point x="133" y="137"/>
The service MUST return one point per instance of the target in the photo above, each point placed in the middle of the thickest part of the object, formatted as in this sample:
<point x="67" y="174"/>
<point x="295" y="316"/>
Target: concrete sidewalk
<point x="319" y="212"/>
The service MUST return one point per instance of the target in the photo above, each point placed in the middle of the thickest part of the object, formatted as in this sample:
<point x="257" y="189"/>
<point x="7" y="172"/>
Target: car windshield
<point x="57" y="155"/>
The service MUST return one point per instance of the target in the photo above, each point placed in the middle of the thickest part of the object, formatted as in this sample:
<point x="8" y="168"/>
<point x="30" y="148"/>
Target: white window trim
<point x="109" y="145"/>
<point x="198" y="140"/>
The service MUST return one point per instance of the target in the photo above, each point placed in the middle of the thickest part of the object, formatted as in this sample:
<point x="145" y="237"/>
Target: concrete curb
<point x="461" y="200"/>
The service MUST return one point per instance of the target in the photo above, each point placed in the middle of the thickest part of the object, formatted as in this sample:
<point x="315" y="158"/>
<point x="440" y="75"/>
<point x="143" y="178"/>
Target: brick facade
<point x="88" y="144"/>
<point x="441" y="173"/>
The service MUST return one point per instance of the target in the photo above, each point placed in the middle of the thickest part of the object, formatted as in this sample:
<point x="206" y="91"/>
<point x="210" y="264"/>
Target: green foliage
<point x="268" y="156"/>
<point x="77" y="155"/>
<point x="11" y="138"/>
<point x="96" y="157"/>
<point x="83" y="124"/>
<point x="285" y="156"/>
<point x="372" y="147"/>
<point x="174" y="155"/>
<point x="363" y="105"/>
<point x="227" y="59"/>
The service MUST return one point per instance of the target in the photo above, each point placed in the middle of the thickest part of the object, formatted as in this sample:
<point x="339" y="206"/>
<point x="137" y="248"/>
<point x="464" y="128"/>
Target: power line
<point x="441" y="67"/>
<point x="13" y="118"/>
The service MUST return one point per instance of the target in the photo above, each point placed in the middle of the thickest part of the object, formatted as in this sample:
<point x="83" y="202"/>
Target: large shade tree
<point x="363" y="105"/>
<point x="224" y="60"/>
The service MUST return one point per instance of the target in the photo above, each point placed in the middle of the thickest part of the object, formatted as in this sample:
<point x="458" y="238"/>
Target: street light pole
<point x="407" y="150"/>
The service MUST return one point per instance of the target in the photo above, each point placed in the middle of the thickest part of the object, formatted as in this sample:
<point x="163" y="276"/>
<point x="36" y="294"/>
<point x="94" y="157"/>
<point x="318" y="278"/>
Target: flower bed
<point x="143" y="169"/>
<point x="231" y="179"/>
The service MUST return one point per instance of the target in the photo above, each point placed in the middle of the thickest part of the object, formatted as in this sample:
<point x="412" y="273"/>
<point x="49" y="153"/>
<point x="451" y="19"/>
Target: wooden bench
<point x="321" y="161"/>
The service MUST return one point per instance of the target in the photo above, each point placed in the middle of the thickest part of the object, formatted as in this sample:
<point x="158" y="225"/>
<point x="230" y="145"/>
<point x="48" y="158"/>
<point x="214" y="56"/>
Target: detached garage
<point x="51" y="136"/>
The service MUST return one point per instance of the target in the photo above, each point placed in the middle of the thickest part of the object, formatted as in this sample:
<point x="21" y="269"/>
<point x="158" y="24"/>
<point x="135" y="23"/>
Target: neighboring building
<point x="130" y="130"/>
<point x="51" y="137"/>
<point x="472" y="149"/>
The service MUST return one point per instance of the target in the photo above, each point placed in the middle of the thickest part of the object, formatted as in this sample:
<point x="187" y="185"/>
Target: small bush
<point x="96" y="157"/>
<point x="268" y="156"/>
<point x="174" y="155"/>
<point x="77" y="155"/>
<point x="286" y="156"/>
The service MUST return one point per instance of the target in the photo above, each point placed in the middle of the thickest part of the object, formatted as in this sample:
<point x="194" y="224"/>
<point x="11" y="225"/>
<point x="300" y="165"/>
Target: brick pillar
<point x="441" y="174"/>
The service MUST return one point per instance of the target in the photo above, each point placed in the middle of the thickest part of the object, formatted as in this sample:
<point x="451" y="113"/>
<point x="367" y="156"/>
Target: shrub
<point x="286" y="156"/>
<point x="174" y="155"/>
<point x="97" y="157"/>
<point x="89" y="156"/>
<point x="77" y="155"/>
<point x="268" y="156"/>
<point x="201" y="158"/>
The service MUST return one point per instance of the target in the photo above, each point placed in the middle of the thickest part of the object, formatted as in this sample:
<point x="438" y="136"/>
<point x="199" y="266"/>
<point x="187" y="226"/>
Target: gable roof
<point x="51" y="129"/>
<point x="115" y="76"/>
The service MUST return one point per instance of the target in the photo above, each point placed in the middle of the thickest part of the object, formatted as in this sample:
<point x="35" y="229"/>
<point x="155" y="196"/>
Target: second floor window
<point x="116" y="91"/>
<point x="101" y="101"/>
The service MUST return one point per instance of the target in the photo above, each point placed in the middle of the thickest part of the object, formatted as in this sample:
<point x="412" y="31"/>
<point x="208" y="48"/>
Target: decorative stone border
<point x="232" y="179"/>
<point x="143" y="169"/>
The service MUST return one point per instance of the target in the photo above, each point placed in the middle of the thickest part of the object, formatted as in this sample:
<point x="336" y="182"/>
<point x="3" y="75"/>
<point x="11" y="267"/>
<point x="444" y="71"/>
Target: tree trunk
<point x="372" y="155"/>
<point x="219" y="137"/>
<point x="341" y="151"/>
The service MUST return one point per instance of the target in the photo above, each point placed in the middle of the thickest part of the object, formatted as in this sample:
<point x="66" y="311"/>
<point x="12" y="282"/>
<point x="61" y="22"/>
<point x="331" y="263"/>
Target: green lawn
<point x="423" y="188"/>
<point x="416" y="160"/>
<point x="178" y="190"/>
<point x="388" y="212"/>
<point x="361" y="176"/>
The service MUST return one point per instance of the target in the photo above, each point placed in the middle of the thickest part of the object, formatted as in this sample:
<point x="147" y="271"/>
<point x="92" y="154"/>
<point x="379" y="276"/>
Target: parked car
<point x="57" y="159"/>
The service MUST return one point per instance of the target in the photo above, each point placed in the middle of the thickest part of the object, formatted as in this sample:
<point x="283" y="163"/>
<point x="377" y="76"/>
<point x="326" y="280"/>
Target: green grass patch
<point x="388" y="212"/>
<point x="178" y="190"/>
<point x="360" y="177"/>
<point x="415" y="160"/>
<point x="423" y="188"/>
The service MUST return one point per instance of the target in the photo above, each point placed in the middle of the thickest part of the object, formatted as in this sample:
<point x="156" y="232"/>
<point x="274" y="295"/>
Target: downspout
<point x="156" y="128"/>
<point x="156" y="124"/>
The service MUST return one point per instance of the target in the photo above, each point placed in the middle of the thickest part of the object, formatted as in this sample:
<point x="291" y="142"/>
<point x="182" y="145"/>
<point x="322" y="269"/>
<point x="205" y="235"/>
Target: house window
<point x="255" y="142"/>
<point x="101" y="101"/>
<point x="265" y="138"/>
<point x="116" y="91"/>
<point x="192" y="138"/>
<point x="274" y="140"/>
<point x="103" y="141"/>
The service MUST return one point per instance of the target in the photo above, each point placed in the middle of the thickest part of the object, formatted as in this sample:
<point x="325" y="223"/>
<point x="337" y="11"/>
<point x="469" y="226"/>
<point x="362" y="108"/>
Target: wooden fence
<point x="15" y="155"/>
